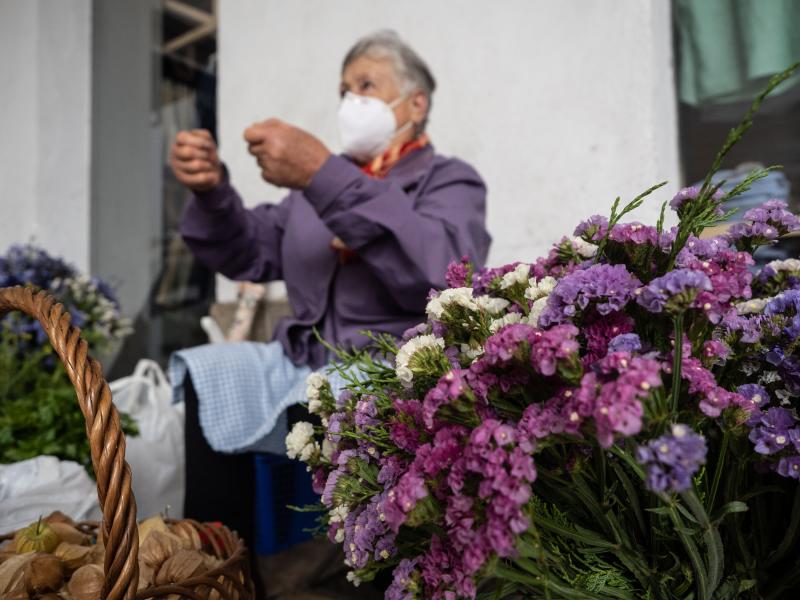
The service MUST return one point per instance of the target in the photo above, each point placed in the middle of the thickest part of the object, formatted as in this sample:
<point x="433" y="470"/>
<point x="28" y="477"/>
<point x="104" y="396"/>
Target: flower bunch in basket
<point x="91" y="302"/>
<point x="617" y="419"/>
<point x="38" y="414"/>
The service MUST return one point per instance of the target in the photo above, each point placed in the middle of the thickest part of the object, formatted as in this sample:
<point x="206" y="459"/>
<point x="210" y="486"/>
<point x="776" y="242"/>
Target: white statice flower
<point x="789" y="264"/>
<point x="338" y="514"/>
<point x="327" y="448"/>
<point x="540" y="289"/>
<point x="753" y="306"/>
<point x="583" y="248"/>
<point x="339" y="537"/>
<point x="457" y="296"/>
<point x="353" y="578"/>
<point x="536" y="310"/>
<point x="470" y="352"/>
<point x="520" y="274"/>
<point x="493" y="306"/>
<point x="497" y="324"/>
<point x="300" y="442"/>
<point x="408" y="350"/>
<point x="769" y="377"/>
<point x="314" y="383"/>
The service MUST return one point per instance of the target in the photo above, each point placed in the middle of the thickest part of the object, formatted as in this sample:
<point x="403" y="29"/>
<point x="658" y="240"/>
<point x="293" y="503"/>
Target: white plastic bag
<point x="157" y="455"/>
<point x="36" y="487"/>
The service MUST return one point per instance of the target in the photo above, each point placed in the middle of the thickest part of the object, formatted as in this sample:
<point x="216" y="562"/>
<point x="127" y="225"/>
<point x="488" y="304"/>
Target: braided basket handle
<point x="106" y="439"/>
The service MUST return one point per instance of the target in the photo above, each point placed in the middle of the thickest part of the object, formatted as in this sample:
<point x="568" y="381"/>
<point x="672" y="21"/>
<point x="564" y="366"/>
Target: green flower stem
<point x="676" y="362"/>
<point x="698" y="566"/>
<point x="723" y="451"/>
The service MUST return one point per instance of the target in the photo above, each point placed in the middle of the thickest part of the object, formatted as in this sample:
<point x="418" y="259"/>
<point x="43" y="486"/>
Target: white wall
<point x="45" y="95"/>
<point x="560" y="105"/>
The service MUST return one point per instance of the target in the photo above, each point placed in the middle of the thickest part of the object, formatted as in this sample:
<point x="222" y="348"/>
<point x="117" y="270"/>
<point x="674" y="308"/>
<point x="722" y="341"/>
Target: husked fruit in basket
<point x="186" y="531"/>
<point x="146" y="574"/>
<point x="86" y="583"/>
<point x="73" y="556"/>
<point x="159" y="546"/>
<point x="147" y="526"/>
<point x="69" y="533"/>
<point x="12" y="575"/>
<point x="44" y="573"/>
<point x="58" y="517"/>
<point x="36" y="537"/>
<point x="181" y="566"/>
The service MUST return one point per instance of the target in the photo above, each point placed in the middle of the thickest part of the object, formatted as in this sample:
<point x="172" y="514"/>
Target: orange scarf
<point x="379" y="168"/>
<point x="381" y="165"/>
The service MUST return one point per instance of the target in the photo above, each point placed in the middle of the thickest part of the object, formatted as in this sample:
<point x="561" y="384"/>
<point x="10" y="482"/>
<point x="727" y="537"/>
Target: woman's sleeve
<point x="242" y="244"/>
<point x="407" y="241"/>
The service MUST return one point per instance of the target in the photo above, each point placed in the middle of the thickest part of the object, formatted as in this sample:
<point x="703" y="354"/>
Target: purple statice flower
<point x="365" y="413"/>
<point x="508" y="343"/>
<point x="764" y="224"/>
<point x="608" y="288"/>
<point x="788" y="305"/>
<point x="701" y="249"/>
<point x="555" y="264"/>
<point x="770" y="431"/>
<point x="592" y="229"/>
<point x="727" y="269"/>
<point x="715" y="352"/>
<point x="599" y="331"/>
<point x="789" y="466"/>
<point x="757" y="395"/>
<point x="459" y="274"/>
<point x="672" y="459"/>
<point x="748" y="329"/>
<point x="338" y="422"/>
<point x="550" y="346"/>
<point x="713" y="398"/>
<point x="330" y="486"/>
<point x="444" y="574"/>
<point x="788" y="367"/>
<point x="484" y="280"/>
<point x="391" y="468"/>
<point x="638" y="234"/>
<point x="412" y="332"/>
<point x="449" y="388"/>
<point x="406" y="425"/>
<point x="676" y="291"/>
<point x="405" y="581"/>
<point x="625" y="342"/>
<point x="681" y="200"/>
<point x="402" y="498"/>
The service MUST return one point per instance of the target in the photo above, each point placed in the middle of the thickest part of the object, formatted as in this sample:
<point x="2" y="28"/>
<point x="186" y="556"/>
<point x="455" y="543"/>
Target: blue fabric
<point x="243" y="390"/>
<point x="775" y="186"/>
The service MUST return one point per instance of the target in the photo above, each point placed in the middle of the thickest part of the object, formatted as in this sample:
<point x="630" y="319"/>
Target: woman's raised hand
<point x="195" y="161"/>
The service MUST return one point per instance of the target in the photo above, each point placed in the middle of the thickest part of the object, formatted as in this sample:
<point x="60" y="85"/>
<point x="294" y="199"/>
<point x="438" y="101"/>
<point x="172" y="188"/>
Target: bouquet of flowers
<point x="617" y="419"/>
<point x="38" y="410"/>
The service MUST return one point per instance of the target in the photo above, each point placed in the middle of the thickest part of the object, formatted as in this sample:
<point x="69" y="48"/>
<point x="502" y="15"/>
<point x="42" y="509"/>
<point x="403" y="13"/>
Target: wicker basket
<point x="231" y="579"/>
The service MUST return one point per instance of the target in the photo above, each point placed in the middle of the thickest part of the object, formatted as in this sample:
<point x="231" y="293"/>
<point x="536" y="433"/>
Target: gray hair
<point x="413" y="73"/>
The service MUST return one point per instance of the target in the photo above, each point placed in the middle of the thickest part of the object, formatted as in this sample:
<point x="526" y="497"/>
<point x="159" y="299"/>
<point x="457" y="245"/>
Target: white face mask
<point x="367" y="126"/>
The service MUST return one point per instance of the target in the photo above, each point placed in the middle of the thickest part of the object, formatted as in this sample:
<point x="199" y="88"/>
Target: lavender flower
<point x="770" y="433"/>
<point x="764" y="225"/>
<point x="625" y="342"/>
<point x="676" y="291"/>
<point x="688" y="194"/>
<point x="607" y="288"/>
<point x="672" y="459"/>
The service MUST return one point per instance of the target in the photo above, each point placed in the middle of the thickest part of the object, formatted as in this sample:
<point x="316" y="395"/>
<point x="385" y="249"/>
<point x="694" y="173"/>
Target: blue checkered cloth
<point x="243" y="391"/>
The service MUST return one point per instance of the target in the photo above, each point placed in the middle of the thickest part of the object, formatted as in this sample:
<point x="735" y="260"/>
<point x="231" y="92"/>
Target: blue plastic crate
<point x="281" y="482"/>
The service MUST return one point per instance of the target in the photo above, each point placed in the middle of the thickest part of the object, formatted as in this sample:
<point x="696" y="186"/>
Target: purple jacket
<point x="406" y="228"/>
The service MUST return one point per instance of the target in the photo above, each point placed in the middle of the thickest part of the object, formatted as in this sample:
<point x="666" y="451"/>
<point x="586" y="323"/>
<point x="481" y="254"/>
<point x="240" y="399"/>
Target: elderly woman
<point x="360" y="240"/>
<point x="363" y="236"/>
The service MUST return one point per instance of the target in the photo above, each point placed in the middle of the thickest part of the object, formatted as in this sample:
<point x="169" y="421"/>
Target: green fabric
<point x="729" y="48"/>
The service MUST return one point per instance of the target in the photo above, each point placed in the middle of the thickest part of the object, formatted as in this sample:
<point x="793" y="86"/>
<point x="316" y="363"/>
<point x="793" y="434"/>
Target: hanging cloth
<point x="728" y="49"/>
